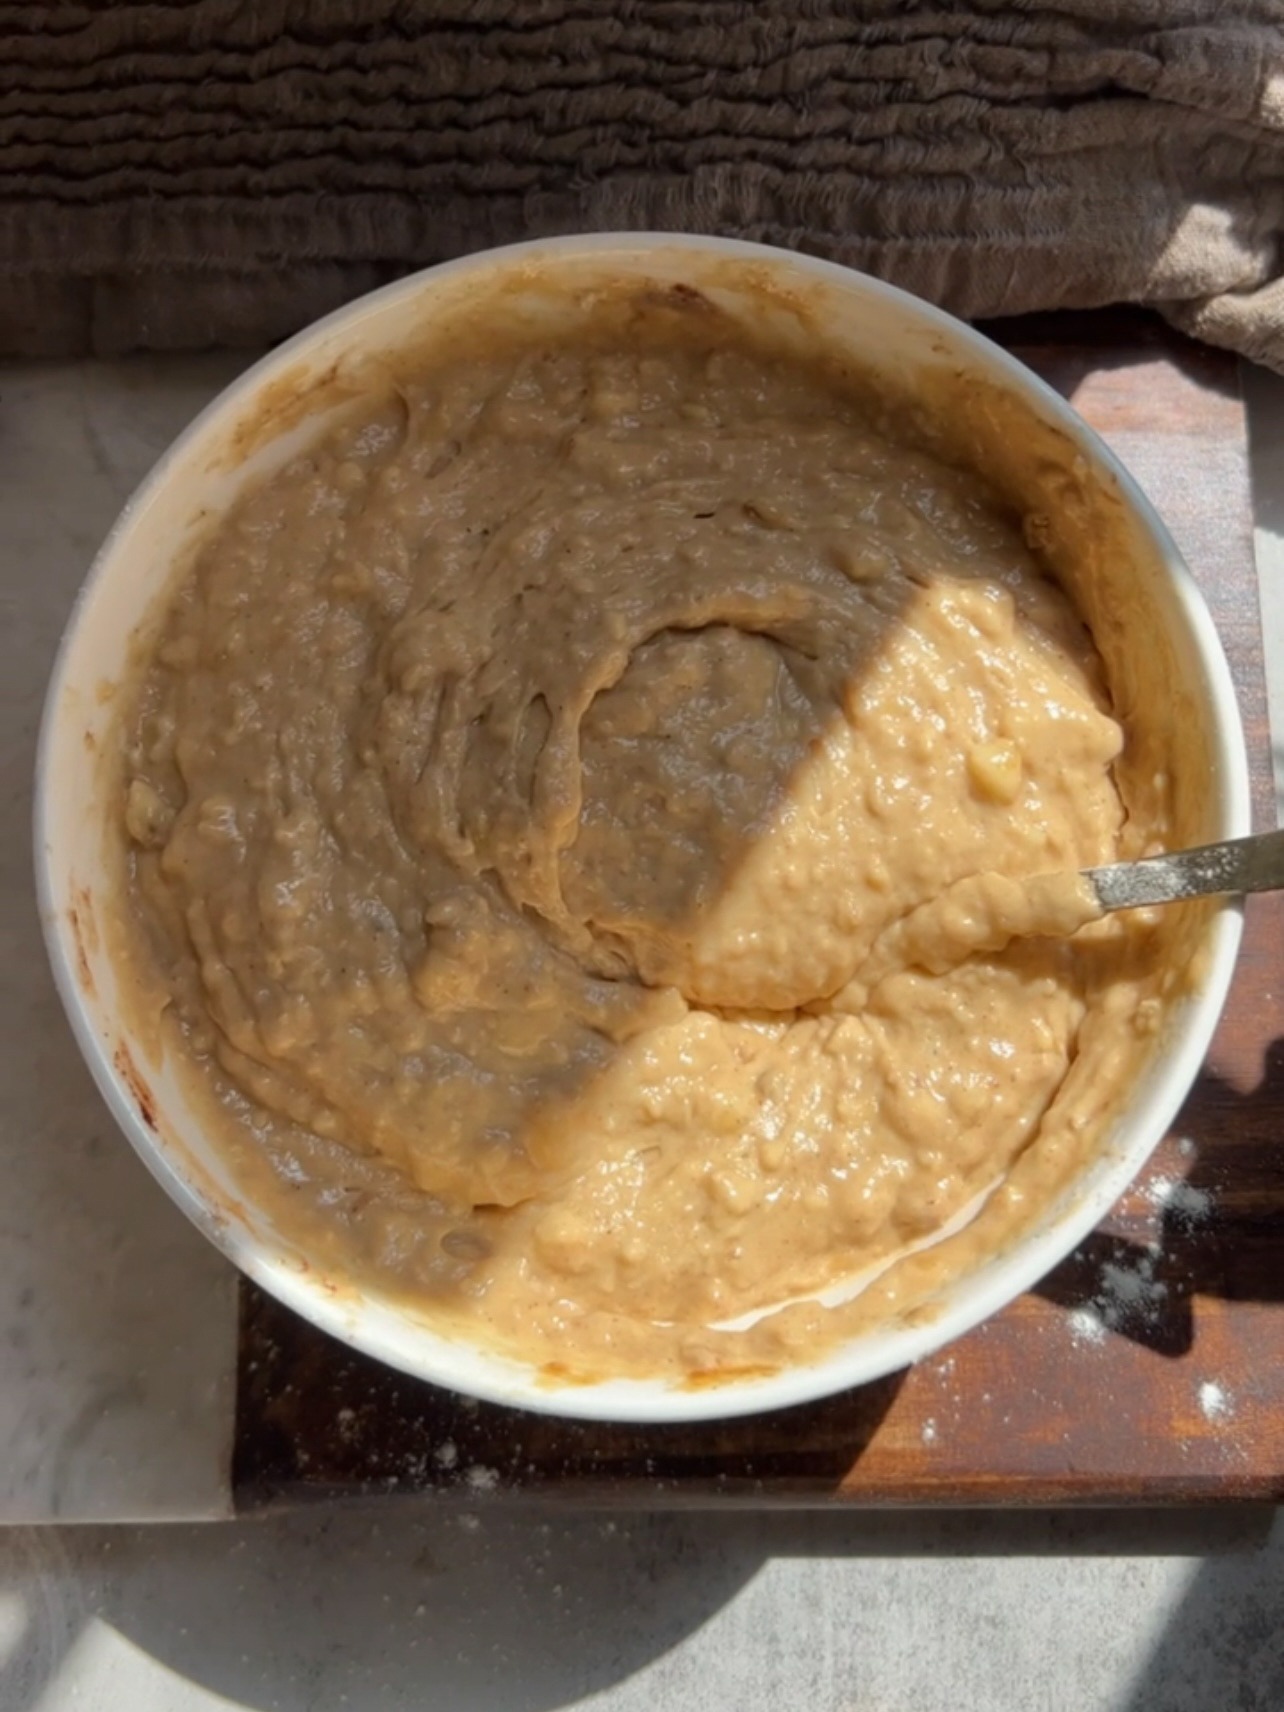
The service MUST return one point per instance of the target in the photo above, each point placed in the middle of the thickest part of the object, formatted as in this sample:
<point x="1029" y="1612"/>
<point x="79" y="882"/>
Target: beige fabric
<point x="220" y="173"/>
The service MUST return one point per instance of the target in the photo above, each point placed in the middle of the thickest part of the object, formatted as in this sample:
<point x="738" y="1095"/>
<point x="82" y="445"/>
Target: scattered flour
<point x="1131" y="1294"/>
<point x="929" y="1432"/>
<point x="1188" y="1205"/>
<point x="1087" y="1326"/>
<point x="481" y="1478"/>
<point x="446" y="1454"/>
<point x="1129" y="1297"/>
<point x="1216" y="1403"/>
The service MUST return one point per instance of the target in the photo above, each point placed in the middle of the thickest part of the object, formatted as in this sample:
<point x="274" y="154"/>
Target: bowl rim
<point x="510" y="1383"/>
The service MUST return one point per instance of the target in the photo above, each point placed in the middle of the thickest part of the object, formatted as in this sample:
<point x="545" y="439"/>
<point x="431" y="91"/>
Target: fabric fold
<point x="177" y="176"/>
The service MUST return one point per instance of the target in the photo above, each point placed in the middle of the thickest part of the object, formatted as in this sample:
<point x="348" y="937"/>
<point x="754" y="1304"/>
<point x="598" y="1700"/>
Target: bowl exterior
<point x="253" y="428"/>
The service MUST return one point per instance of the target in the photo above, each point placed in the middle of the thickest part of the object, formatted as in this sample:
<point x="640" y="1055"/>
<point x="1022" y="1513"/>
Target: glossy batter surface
<point x="528" y="798"/>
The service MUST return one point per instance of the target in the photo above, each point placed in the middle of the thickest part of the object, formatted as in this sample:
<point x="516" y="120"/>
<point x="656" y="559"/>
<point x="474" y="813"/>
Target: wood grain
<point x="1149" y="1368"/>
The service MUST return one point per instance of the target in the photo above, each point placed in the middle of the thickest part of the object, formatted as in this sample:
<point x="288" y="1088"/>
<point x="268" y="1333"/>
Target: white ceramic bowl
<point x="248" y="432"/>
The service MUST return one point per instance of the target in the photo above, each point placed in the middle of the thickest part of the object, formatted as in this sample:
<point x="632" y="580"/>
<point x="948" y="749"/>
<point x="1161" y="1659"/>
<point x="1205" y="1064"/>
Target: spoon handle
<point x="1240" y="865"/>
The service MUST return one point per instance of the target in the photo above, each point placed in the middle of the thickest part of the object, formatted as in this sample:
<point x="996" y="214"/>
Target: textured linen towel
<point x="221" y="172"/>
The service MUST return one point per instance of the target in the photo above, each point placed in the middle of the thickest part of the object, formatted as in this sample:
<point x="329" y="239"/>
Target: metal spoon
<point x="1240" y="865"/>
<point x="986" y="911"/>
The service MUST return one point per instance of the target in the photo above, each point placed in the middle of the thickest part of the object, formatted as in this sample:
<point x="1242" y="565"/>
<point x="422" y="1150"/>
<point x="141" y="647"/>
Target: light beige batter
<point x="531" y="801"/>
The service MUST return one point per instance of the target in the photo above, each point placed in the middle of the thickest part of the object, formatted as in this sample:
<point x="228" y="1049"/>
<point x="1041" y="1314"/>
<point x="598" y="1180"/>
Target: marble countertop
<point x="117" y="1320"/>
<point x="116" y="1383"/>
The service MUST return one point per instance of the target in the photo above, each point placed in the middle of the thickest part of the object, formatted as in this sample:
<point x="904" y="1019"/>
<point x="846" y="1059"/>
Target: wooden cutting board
<point x="1149" y="1368"/>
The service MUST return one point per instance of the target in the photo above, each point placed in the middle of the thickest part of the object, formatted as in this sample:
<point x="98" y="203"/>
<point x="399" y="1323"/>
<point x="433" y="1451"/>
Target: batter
<point x="529" y="797"/>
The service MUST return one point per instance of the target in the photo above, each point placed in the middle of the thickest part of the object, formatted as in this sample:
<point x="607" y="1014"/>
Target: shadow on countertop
<point x="522" y="1609"/>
